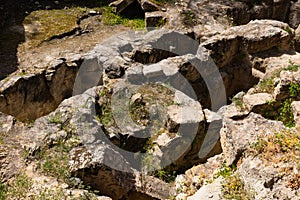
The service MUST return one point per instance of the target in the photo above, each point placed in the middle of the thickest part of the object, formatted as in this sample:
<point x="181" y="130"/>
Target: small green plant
<point x="238" y="101"/>
<point x="165" y="176"/>
<point x="56" y="119"/>
<point x="286" y="115"/>
<point x="189" y="18"/>
<point x="22" y="73"/>
<point x="288" y="29"/>
<point x="292" y="67"/>
<point x="259" y="145"/>
<point x="266" y="85"/>
<point x="294" y="90"/>
<point x="225" y="170"/>
<point x="139" y="113"/>
<point x="270" y="147"/>
<point x="282" y="111"/>
<point x="106" y="116"/>
<point x="283" y="150"/>
<point x="233" y="188"/>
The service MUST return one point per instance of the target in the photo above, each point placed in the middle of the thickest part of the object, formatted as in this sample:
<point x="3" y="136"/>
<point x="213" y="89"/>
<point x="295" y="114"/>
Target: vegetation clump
<point x="282" y="111"/>
<point x="282" y="149"/>
<point x="232" y="185"/>
<point x="110" y="18"/>
<point x="54" y="161"/>
<point x="44" y="25"/>
<point x="189" y="18"/>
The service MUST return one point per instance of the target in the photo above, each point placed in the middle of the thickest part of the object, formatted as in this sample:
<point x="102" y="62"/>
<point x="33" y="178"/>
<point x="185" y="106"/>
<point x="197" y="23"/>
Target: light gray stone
<point x="211" y="191"/>
<point x="296" y="111"/>
<point x="237" y="136"/>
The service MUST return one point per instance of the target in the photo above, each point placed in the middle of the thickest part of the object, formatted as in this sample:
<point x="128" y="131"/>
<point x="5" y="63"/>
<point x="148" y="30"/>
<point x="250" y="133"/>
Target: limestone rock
<point x="281" y="9"/>
<point x="29" y="103"/>
<point x="248" y="38"/>
<point x="97" y="158"/>
<point x="296" y="111"/>
<point x="244" y="11"/>
<point x="209" y="191"/>
<point x="7" y="123"/>
<point x="264" y="180"/>
<point x="257" y="101"/>
<point x="194" y="178"/>
<point x="236" y="136"/>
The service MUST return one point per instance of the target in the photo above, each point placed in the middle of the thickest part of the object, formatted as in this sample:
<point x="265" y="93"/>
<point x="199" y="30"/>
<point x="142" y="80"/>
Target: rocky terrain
<point x="150" y="99"/>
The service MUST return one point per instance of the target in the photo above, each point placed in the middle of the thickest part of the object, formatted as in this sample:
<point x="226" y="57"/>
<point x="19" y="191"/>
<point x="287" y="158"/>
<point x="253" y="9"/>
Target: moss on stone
<point x="45" y="24"/>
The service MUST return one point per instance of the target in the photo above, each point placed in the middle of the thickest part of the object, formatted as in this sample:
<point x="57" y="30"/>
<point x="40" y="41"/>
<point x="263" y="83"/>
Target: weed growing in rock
<point x="288" y="29"/>
<point x="3" y="190"/>
<point x="282" y="111"/>
<point x="282" y="149"/>
<point x="238" y="101"/>
<point x="286" y="115"/>
<point x="56" y="119"/>
<point x="165" y="176"/>
<point x="105" y="115"/>
<point x="189" y="18"/>
<point x="55" y="160"/>
<point x="292" y="67"/>
<point x="18" y="188"/>
<point x="294" y="89"/>
<point x="266" y="85"/>
<point x="233" y="188"/>
<point x="226" y="171"/>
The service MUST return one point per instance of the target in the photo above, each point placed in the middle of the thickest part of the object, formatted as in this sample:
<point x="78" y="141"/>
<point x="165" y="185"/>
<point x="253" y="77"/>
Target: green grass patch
<point x="17" y="189"/>
<point x="46" y="24"/>
<point x="110" y="18"/>
<point x="54" y="161"/>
